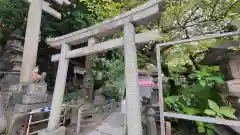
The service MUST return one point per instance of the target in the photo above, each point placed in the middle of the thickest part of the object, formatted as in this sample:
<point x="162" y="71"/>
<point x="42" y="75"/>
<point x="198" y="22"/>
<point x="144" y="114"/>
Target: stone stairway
<point x="112" y="125"/>
<point x="90" y="120"/>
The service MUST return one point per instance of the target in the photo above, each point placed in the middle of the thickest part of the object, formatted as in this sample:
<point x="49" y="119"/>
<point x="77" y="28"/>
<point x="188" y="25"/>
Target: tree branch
<point x="230" y="7"/>
<point x="214" y="7"/>
<point x="192" y="58"/>
<point x="192" y="13"/>
<point x="191" y="25"/>
<point x="186" y="33"/>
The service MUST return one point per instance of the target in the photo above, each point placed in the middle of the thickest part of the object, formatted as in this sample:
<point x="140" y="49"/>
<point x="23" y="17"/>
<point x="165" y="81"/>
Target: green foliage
<point x="109" y="74"/>
<point x="236" y="22"/>
<point x="192" y="111"/>
<point x="208" y="76"/>
<point x="200" y="84"/>
<point x="13" y="14"/>
<point x="220" y="112"/>
<point x="213" y="106"/>
<point x="191" y="85"/>
<point x="210" y="112"/>
<point x="208" y="128"/>
<point x="100" y="10"/>
<point x="196" y="85"/>
<point x="198" y="14"/>
<point x="210" y="132"/>
<point x="201" y="129"/>
<point x="228" y="112"/>
<point x="181" y="103"/>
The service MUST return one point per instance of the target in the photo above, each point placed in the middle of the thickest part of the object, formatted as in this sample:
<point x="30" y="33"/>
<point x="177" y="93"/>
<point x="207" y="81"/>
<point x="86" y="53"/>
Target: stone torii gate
<point x="126" y="21"/>
<point x="32" y="34"/>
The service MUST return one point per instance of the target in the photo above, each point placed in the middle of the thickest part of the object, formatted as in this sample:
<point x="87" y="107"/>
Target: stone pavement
<point x="112" y="125"/>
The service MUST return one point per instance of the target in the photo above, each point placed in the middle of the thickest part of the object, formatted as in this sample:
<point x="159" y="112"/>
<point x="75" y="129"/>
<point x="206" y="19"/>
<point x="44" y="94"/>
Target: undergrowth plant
<point x="220" y="112"/>
<point x="201" y="97"/>
<point x="215" y="111"/>
<point x="205" y="127"/>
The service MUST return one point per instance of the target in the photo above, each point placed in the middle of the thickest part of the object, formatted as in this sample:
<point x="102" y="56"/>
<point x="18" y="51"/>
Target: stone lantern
<point x="10" y="64"/>
<point x="18" y="99"/>
<point x="229" y="61"/>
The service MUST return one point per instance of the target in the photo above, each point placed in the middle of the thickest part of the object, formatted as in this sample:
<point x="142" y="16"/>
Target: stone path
<point x="112" y="125"/>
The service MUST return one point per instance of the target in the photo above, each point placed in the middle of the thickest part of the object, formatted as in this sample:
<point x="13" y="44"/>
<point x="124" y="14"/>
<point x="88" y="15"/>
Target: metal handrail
<point x="199" y="38"/>
<point x="160" y="87"/>
<point x="40" y="121"/>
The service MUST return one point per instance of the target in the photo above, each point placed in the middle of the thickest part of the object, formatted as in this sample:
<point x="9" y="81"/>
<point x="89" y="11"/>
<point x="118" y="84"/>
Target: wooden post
<point x="79" y="120"/>
<point x="59" y="89"/>
<point x="168" y="128"/>
<point x="134" y="125"/>
<point x="31" y="40"/>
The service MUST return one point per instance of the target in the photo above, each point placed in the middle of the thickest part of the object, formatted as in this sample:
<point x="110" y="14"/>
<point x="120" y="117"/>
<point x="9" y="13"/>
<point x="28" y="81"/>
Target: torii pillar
<point x="134" y="125"/>
<point x="31" y="40"/>
<point x="32" y="35"/>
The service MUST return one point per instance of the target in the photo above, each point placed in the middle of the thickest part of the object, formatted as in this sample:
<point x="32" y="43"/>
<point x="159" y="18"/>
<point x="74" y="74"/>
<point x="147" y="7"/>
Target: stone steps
<point x="89" y="125"/>
<point x="71" y="129"/>
<point x="34" y="98"/>
<point x="92" y="120"/>
<point x="89" y="113"/>
<point x="89" y="122"/>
